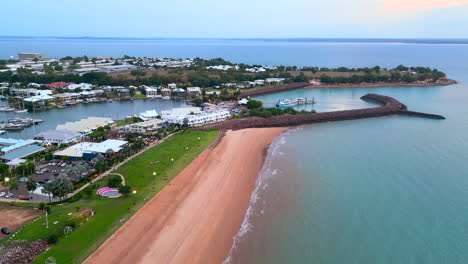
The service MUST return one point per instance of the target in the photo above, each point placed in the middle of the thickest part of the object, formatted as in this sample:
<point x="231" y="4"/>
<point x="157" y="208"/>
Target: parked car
<point x="9" y="195"/>
<point x="2" y="194"/>
<point x="41" y="182"/>
<point x="5" y="230"/>
<point x="23" y="179"/>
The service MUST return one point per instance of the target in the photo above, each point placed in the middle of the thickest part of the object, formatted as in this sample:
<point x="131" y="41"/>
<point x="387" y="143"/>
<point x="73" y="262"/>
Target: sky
<point x="236" y="19"/>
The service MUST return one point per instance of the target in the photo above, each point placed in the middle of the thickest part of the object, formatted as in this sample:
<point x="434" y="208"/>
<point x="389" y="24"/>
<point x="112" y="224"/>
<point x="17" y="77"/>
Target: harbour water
<point x="383" y="190"/>
<point x="116" y="110"/>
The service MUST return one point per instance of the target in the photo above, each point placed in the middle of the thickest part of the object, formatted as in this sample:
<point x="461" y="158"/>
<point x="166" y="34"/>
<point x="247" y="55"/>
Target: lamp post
<point x="154" y="173"/>
<point x="134" y="197"/>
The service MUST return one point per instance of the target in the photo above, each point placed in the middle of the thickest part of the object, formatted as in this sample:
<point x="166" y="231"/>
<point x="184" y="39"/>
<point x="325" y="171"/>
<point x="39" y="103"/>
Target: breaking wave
<point x="266" y="173"/>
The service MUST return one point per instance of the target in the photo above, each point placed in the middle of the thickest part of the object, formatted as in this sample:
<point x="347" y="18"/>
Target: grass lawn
<point x="112" y="213"/>
<point x="126" y="122"/>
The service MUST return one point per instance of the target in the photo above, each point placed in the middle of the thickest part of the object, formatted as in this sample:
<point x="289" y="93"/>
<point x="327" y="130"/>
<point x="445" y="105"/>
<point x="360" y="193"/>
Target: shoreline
<point x="304" y="85"/>
<point x="195" y="218"/>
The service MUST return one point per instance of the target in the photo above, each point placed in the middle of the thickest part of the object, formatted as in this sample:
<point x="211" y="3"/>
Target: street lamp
<point x="134" y="197"/>
<point x="154" y="173"/>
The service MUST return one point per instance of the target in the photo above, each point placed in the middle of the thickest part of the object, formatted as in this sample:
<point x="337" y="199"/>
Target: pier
<point x="390" y="106"/>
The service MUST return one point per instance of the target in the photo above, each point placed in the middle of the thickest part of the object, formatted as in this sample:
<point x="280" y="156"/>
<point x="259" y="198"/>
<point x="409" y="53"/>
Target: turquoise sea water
<point x="383" y="190"/>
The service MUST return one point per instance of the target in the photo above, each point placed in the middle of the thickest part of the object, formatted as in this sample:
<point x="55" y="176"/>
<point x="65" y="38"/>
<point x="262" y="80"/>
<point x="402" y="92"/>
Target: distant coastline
<point x="434" y="41"/>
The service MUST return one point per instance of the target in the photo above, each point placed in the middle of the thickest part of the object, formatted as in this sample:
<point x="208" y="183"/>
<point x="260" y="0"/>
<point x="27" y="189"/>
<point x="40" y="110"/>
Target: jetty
<point x="389" y="106"/>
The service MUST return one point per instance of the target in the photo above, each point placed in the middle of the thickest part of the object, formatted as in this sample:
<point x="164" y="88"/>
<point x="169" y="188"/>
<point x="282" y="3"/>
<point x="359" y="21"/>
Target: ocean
<point x="382" y="190"/>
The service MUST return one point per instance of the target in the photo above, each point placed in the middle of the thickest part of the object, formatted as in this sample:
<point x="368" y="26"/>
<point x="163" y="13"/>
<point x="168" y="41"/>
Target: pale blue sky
<point x="239" y="18"/>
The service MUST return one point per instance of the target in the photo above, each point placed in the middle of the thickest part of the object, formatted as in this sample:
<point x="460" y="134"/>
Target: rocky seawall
<point x="390" y="106"/>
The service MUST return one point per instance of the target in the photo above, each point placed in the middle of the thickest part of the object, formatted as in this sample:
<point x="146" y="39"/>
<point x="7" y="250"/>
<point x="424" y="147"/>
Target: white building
<point x="194" y="91"/>
<point x="152" y="92"/>
<point x="58" y="137"/>
<point x="147" y="115"/>
<point x="146" y="127"/>
<point x="86" y="126"/>
<point x="274" y="80"/>
<point x="197" y="119"/>
<point x="89" y="150"/>
<point x="82" y="86"/>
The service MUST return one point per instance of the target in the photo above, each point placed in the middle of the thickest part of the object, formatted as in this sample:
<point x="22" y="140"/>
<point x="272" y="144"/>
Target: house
<point x="58" y="137"/>
<point x="146" y="127"/>
<point x="81" y="86"/>
<point x="178" y="92"/>
<point x="89" y="150"/>
<point x="194" y="91"/>
<point x="172" y="85"/>
<point x="166" y="92"/>
<point x="274" y="80"/>
<point x="124" y="93"/>
<point x="152" y="92"/>
<point x="40" y="99"/>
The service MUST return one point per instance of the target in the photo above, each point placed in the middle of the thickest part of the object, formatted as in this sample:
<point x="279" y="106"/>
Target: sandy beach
<point x="194" y="219"/>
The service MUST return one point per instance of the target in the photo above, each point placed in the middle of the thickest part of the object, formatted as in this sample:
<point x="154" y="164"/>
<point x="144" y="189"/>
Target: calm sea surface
<point x="383" y="190"/>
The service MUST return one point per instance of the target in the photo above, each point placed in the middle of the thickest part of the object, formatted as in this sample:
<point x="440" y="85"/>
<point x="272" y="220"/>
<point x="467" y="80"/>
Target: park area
<point x="77" y="227"/>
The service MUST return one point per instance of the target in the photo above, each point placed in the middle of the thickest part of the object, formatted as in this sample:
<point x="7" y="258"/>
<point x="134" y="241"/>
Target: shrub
<point x="52" y="238"/>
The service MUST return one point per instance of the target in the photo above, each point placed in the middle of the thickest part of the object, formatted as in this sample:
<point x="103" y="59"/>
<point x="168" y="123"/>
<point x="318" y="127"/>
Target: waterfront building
<point x="197" y="119"/>
<point x="40" y="99"/>
<point x="178" y="92"/>
<point x="194" y="91"/>
<point x="274" y="80"/>
<point x="146" y="127"/>
<point x="17" y="148"/>
<point x="147" y="115"/>
<point x="152" y="92"/>
<point x="166" y="92"/>
<point x="30" y="56"/>
<point x="58" y="137"/>
<point x="172" y="85"/>
<point x="125" y="93"/>
<point x="183" y="111"/>
<point x="89" y="150"/>
<point x="86" y="126"/>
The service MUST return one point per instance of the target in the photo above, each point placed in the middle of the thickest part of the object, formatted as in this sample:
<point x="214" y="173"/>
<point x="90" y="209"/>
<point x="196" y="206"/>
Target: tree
<point x="61" y="186"/>
<point x="114" y="181"/>
<point x="125" y="190"/>
<point x="31" y="186"/>
<point x="58" y="67"/>
<point x="254" y="104"/>
<point x="4" y="169"/>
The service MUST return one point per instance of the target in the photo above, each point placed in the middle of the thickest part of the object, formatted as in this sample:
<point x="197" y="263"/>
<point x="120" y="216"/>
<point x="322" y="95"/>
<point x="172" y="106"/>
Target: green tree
<point x="31" y="186"/>
<point x="61" y="187"/>
<point x="254" y="104"/>
<point x="125" y="190"/>
<point x="114" y="181"/>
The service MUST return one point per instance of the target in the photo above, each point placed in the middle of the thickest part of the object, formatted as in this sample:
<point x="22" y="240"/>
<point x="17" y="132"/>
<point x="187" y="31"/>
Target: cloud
<point x="418" y="5"/>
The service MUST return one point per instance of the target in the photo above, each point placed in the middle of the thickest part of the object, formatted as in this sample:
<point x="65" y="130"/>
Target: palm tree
<point x="31" y="186"/>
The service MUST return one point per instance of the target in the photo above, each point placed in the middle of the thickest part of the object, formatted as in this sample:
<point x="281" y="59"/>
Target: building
<point x="125" y="93"/>
<point x="194" y="91"/>
<point x="207" y="107"/>
<point x="58" y="137"/>
<point x="40" y="99"/>
<point x="13" y="149"/>
<point x="81" y="86"/>
<point x="183" y="111"/>
<point x="152" y="92"/>
<point x="166" y="92"/>
<point x="30" y="56"/>
<point x="197" y="119"/>
<point x="172" y="85"/>
<point x="118" y="68"/>
<point x="147" y="115"/>
<point x="275" y="80"/>
<point x="145" y="127"/>
<point x="86" y="126"/>
<point x="89" y="150"/>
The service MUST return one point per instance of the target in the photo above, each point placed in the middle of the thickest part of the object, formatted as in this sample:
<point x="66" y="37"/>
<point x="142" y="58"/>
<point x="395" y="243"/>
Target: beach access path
<point x="195" y="217"/>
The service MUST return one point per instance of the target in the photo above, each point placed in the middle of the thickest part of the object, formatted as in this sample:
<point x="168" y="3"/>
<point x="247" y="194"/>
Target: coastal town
<point x="86" y="161"/>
